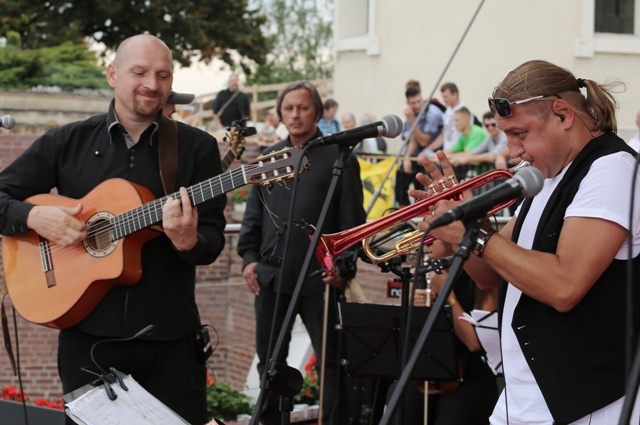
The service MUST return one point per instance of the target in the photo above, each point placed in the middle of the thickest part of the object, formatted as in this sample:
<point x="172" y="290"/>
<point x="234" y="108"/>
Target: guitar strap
<point x="168" y="153"/>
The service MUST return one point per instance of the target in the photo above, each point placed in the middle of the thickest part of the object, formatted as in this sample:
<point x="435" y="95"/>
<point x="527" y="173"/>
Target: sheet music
<point x="133" y="407"/>
<point x="486" y="326"/>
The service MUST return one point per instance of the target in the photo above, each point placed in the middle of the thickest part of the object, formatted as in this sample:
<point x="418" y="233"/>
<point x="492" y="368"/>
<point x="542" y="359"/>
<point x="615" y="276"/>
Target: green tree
<point x="69" y="66"/>
<point x="200" y="29"/>
<point x="300" y="39"/>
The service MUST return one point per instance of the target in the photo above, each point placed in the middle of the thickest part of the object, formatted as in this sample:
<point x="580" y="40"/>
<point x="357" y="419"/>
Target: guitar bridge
<point x="47" y="263"/>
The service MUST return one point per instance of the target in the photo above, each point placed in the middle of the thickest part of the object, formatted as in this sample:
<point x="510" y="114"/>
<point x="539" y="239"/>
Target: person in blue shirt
<point x="328" y="124"/>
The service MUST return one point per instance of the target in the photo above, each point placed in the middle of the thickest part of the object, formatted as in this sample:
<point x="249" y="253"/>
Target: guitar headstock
<point x="235" y="140"/>
<point x="277" y="166"/>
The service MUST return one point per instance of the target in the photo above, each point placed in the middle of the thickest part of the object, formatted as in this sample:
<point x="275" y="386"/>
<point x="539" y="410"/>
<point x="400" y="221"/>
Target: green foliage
<point x="200" y="29"/>
<point x="310" y="392"/>
<point x="300" y="35"/>
<point x="223" y="402"/>
<point x="69" y="66"/>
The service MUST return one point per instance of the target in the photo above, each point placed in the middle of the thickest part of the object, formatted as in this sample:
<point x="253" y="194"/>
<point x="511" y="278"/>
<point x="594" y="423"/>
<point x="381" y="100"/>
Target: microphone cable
<point x="104" y="377"/>
<point x="15" y="363"/>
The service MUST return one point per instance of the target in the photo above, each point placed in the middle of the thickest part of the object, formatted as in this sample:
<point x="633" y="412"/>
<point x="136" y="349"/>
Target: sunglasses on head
<point x="503" y="106"/>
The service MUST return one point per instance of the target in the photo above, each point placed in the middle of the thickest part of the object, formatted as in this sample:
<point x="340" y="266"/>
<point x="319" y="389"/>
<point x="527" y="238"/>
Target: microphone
<point x="7" y="122"/>
<point x="147" y="330"/>
<point x="389" y="126"/>
<point x="526" y="182"/>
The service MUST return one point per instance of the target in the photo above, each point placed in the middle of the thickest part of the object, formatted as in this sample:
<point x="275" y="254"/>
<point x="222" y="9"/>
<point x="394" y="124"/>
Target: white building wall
<point x="415" y="39"/>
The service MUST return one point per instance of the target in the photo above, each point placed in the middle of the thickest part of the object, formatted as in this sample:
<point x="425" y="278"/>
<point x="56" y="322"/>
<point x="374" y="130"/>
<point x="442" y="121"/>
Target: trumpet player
<point x="561" y="260"/>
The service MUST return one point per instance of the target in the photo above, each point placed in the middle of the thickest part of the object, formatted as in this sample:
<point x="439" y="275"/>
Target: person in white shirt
<point x="450" y="134"/>
<point x="272" y="131"/>
<point x="562" y="260"/>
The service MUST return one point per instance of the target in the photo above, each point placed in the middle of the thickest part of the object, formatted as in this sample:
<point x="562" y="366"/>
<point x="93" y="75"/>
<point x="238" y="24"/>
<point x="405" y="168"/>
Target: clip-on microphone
<point x="114" y="376"/>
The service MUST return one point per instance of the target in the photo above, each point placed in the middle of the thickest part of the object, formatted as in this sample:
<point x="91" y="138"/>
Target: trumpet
<point x="332" y="245"/>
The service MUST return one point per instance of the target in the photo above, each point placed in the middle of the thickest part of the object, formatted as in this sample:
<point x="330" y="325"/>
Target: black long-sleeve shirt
<point x="237" y="109"/>
<point x="74" y="159"/>
<point x="262" y="235"/>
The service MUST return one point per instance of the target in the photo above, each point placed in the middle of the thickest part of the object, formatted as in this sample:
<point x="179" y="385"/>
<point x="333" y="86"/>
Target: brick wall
<point x="222" y="297"/>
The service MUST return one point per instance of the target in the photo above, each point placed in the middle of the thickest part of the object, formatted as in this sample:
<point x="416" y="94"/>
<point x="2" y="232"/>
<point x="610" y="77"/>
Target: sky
<point x="201" y="79"/>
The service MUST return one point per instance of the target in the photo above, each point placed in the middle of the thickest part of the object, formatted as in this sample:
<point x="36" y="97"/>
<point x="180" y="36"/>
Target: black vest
<point x="577" y="357"/>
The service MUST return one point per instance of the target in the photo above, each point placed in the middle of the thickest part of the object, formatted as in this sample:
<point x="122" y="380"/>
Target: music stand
<point x="373" y="340"/>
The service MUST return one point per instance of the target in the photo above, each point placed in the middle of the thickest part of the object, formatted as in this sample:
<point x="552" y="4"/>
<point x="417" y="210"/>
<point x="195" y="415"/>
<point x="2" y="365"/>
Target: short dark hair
<point x="449" y="86"/>
<point x="306" y="85"/>
<point x="488" y="116"/>
<point x="412" y="91"/>
<point x="330" y="103"/>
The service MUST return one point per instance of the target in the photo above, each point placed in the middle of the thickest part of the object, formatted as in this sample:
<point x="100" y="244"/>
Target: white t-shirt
<point x="451" y="134"/>
<point x="597" y="197"/>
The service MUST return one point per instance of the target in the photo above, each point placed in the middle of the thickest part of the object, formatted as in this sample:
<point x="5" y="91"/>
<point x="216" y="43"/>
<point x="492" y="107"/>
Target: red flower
<point x="210" y="379"/>
<point x="12" y="393"/>
<point x="311" y="364"/>
<point x="51" y="404"/>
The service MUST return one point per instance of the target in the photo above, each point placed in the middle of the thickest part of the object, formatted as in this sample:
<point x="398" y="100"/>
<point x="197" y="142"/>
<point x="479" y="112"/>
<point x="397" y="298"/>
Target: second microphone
<point x="389" y="126"/>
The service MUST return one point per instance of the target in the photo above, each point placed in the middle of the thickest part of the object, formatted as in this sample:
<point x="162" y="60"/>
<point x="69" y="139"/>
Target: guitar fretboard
<point x="149" y="214"/>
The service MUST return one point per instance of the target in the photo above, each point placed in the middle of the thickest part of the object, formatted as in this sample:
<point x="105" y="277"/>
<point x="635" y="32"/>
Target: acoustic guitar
<point x="58" y="286"/>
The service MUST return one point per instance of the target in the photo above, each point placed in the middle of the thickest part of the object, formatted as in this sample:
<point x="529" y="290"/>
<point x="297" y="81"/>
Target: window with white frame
<point x="614" y="16"/>
<point x="355" y="26"/>
<point x="609" y="26"/>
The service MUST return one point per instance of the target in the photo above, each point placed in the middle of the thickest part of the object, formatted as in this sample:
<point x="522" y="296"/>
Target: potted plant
<point x="310" y="392"/>
<point x="226" y="403"/>
<point x="238" y="198"/>
<point x="39" y="412"/>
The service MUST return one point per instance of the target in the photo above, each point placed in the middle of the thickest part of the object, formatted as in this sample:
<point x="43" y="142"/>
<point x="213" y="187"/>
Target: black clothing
<point x="239" y="107"/>
<point x="77" y="157"/>
<point x="262" y="240"/>
<point x="577" y="357"/>
<point x="472" y="401"/>
<point x="163" y="366"/>
<point x="263" y="226"/>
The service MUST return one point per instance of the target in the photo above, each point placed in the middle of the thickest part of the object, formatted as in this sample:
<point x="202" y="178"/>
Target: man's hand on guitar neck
<point x="180" y="221"/>
<point x="57" y="224"/>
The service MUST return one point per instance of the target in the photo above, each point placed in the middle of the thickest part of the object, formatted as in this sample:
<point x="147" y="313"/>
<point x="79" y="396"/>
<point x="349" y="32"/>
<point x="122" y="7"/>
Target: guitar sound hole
<point x="98" y="242"/>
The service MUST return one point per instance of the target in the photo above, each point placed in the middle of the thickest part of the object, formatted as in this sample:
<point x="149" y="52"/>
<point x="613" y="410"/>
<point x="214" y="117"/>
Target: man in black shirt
<point x="231" y="104"/>
<point x="123" y="143"/>
<point x="261" y="242"/>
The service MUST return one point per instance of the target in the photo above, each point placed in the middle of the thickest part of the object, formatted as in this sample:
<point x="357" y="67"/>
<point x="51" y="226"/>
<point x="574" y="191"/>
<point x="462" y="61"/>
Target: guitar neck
<point x="228" y="158"/>
<point x="151" y="213"/>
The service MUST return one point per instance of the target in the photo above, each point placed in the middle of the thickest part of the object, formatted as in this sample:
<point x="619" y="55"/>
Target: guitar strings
<point x="127" y="220"/>
<point x="204" y="189"/>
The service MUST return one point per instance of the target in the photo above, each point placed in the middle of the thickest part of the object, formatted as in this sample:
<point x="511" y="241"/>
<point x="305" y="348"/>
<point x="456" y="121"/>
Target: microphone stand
<point x="632" y="359"/>
<point x="278" y="377"/>
<point x="468" y="240"/>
